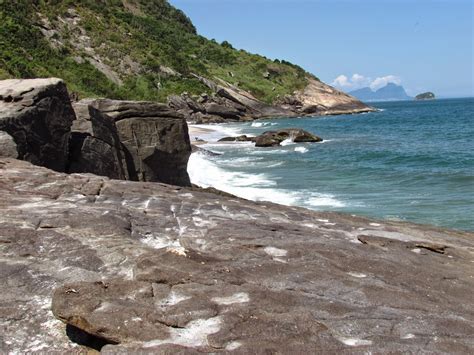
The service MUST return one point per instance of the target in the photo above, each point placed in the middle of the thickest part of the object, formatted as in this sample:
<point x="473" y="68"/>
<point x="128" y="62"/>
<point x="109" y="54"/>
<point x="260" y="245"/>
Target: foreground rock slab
<point x="157" y="268"/>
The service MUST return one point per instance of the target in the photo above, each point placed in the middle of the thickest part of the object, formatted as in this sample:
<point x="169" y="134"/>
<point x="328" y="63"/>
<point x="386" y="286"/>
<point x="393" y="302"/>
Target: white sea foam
<point x="301" y="150"/>
<point x="262" y="124"/>
<point x="287" y="141"/>
<point x="204" y="172"/>
<point x="325" y="200"/>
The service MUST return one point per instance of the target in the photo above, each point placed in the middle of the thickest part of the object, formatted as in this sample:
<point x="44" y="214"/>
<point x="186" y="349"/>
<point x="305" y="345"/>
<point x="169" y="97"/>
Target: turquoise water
<point x="411" y="161"/>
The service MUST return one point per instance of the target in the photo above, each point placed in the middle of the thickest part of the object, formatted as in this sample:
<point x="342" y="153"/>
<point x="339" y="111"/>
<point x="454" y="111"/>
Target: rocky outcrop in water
<point x="425" y="96"/>
<point x="37" y="115"/>
<point x="275" y="138"/>
<point x="142" y="267"/>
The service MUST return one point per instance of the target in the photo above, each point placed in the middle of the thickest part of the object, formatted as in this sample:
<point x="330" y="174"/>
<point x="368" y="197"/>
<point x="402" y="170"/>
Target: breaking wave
<point x="204" y="171"/>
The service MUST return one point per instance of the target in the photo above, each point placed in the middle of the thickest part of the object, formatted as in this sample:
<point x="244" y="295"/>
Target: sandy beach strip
<point x="202" y="135"/>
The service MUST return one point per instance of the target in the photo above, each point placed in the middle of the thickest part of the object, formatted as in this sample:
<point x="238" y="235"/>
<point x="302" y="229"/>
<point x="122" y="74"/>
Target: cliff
<point x="149" y="51"/>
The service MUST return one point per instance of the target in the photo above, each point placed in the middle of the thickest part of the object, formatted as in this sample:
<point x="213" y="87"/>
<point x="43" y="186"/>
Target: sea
<point x="409" y="161"/>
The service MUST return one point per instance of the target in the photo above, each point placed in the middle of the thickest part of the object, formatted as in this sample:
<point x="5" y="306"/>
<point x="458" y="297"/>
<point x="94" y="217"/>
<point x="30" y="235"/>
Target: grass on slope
<point x="134" y="38"/>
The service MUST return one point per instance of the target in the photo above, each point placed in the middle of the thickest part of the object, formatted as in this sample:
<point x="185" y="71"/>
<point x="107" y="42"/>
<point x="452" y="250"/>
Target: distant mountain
<point x="390" y="92"/>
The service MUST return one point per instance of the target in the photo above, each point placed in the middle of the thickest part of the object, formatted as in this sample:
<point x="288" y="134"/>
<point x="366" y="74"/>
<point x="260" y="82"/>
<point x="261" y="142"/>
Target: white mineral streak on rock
<point x="240" y="297"/>
<point x="275" y="252"/>
<point x="156" y="241"/>
<point x="193" y="335"/>
<point x="233" y="345"/>
<point x="357" y="274"/>
<point x="199" y="222"/>
<point x="354" y="341"/>
<point x="180" y="251"/>
<point x="375" y="224"/>
<point x="173" y="299"/>
<point x="408" y="336"/>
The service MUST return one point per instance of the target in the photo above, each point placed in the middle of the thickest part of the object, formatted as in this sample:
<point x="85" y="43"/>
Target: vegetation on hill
<point x="128" y="49"/>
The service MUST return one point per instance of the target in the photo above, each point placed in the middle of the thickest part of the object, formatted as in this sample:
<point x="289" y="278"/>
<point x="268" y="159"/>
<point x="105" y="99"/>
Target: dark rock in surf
<point x="242" y="138"/>
<point x="274" y="138"/>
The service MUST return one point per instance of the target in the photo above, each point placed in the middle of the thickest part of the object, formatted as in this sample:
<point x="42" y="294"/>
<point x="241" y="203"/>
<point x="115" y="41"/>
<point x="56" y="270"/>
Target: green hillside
<point x="128" y="49"/>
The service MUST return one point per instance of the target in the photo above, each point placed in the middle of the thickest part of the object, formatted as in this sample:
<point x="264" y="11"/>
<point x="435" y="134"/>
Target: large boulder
<point x="156" y="139"/>
<point x="226" y="112"/>
<point x="95" y="146"/>
<point x="38" y="115"/>
<point x="274" y="138"/>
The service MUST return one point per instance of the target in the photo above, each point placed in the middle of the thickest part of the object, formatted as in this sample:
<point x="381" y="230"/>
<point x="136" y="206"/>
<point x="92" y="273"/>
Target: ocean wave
<point x="301" y="150"/>
<point x="324" y="200"/>
<point x="262" y="124"/>
<point x="205" y="172"/>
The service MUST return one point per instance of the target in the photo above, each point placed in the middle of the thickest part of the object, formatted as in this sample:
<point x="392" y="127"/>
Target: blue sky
<point x="426" y="45"/>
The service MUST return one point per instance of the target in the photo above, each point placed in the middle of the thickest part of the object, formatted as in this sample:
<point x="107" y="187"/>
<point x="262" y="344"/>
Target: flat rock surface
<point x="157" y="268"/>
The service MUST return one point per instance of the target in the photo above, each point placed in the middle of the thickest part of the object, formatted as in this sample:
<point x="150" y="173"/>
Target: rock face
<point x="37" y="114"/>
<point x="155" y="268"/>
<point x="274" y="138"/>
<point x="95" y="145"/>
<point x="228" y="103"/>
<point x="318" y="98"/>
<point x="155" y="136"/>
<point x="119" y="139"/>
<point x="232" y="103"/>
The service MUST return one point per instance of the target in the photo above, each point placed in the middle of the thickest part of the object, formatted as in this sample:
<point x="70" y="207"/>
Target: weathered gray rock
<point x="95" y="146"/>
<point x="159" y="269"/>
<point x="155" y="136"/>
<point x="274" y="138"/>
<point x="37" y="113"/>
<point x="318" y="98"/>
<point x="8" y="148"/>
<point x="223" y="111"/>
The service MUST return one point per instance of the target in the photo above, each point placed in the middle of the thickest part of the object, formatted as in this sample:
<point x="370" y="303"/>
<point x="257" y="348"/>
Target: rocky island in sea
<point x="425" y="96"/>
<point x="106" y="245"/>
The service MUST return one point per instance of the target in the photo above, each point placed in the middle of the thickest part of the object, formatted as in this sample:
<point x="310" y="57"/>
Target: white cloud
<point x="341" y="81"/>
<point x="384" y="80"/>
<point x="357" y="81"/>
